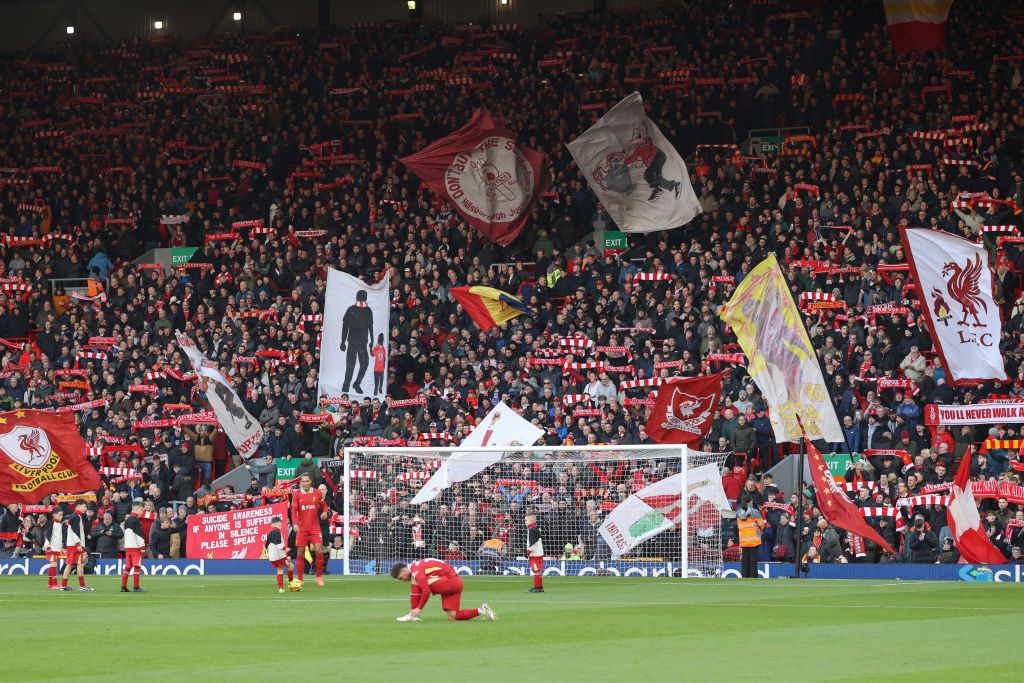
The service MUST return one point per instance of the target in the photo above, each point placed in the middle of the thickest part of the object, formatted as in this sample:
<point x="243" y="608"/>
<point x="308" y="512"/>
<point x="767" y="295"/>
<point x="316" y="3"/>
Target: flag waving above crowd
<point x="41" y="452"/>
<point x="782" y="361"/>
<point x="917" y="25"/>
<point x="243" y="429"/>
<point x="684" y="409"/>
<point x="488" y="306"/>
<point x="636" y="173"/>
<point x="490" y="179"/>
<point x="955" y="286"/>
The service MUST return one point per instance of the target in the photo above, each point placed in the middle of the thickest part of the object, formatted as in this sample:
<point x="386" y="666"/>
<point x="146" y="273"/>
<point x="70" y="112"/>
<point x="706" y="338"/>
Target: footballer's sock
<point x="280" y="580"/>
<point x="319" y="565"/>
<point x="137" y="576"/>
<point x="466" y="614"/>
<point x="289" y="574"/>
<point x="538" y="580"/>
<point x="124" y="579"/>
<point x="64" y="582"/>
<point x="300" y="564"/>
<point x="81" y="581"/>
<point x="52" y="576"/>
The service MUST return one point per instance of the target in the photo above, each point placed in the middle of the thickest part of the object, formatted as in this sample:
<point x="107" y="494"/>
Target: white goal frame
<point x="678" y="453"/>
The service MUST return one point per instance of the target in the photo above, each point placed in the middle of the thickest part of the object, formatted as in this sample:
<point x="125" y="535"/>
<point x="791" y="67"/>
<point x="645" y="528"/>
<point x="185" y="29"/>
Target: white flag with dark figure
<point x="238" y="424"/>
<point x="954" y="283"/>
<point x="635" y="172"/>
<point x="500" y="427"/>
<point x="356" y="334"/>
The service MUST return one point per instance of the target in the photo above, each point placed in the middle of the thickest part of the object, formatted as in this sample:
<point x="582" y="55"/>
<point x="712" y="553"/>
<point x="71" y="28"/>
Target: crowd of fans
<point x="112" y="150"/>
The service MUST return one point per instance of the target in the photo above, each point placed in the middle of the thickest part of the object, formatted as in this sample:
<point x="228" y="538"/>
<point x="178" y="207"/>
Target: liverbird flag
<point x="955" y="286"/>
<point x="635" y="171"/>
<point x="41" y="452"/>
<point x="491" y="180"/>
<point x="782" y="361"/>
<point x="684" y="409"/>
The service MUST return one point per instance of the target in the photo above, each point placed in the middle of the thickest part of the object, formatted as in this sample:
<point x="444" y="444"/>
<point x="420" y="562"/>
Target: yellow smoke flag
<point x="781" y="360"/>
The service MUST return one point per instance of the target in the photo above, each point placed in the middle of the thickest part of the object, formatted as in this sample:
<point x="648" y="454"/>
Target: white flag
<point x="356" y="334"/>
<point x="500" y="427"/>
<point x="635" y="172"/>
<point x="954" y="282"/>
<point x="242" y="428"/>
<point x="658" y="507"/>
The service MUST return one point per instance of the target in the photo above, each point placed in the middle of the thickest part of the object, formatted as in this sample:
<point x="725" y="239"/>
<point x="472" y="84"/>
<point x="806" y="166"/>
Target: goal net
<point x="477" y="524"/>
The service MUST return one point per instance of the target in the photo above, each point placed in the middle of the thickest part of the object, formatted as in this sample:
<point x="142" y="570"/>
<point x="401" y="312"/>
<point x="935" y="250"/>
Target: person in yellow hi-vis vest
<point x="750" y="526"/>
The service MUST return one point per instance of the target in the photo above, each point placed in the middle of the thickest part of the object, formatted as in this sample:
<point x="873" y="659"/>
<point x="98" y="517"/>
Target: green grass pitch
<point x="582" y="629"/>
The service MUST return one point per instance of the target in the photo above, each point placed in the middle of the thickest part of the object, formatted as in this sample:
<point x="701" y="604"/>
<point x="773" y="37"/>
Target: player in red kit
<point x="437" y="577"/>
<point x="308" y="508"/>
<point x="535" y="551"/>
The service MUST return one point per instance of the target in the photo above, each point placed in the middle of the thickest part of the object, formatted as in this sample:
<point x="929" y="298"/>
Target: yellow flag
<point x="781" y="360"/>
<point x="309" y="557"/>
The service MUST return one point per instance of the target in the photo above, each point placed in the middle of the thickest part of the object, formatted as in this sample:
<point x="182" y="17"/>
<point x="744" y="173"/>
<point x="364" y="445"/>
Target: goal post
<point x="477" y="524"/>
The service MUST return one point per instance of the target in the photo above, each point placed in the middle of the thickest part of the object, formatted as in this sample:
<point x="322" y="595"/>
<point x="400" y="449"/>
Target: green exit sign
<point x="771" y="144"/>
<point x="615" y="242"/>
<point x="181" y="255"/>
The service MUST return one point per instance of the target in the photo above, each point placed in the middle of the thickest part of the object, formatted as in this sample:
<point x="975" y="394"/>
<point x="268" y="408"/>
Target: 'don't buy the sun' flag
<point x="488" y="306"/>
<point x="917" y="25"/>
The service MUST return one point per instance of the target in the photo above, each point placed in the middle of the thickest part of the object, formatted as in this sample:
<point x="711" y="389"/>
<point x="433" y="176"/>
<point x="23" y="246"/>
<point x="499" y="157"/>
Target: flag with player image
<point x="635" y="171"/>
<point x="356" y="332"/>
<point x="238" y="424"/>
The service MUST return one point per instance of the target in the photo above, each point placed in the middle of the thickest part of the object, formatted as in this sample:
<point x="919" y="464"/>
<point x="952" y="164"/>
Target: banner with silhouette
<point x="954" y="283"/>
<point x="356" y="331"/>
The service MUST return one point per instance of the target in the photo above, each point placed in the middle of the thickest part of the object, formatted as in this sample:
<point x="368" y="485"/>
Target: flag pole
<point x="799" y="503"/>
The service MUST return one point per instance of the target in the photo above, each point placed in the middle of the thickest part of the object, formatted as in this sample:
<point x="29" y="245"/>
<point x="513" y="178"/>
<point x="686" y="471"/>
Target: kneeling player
<point x="437" y="577"/>
<point x="277" y="553"/>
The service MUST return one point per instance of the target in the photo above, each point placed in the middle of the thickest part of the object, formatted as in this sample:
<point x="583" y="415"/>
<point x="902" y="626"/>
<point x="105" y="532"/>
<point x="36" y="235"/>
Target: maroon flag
<point x="491" y="180"/>
<point x="833" y="503"/>
<point x="41" y="452"/>
<point x="684" y="409"/>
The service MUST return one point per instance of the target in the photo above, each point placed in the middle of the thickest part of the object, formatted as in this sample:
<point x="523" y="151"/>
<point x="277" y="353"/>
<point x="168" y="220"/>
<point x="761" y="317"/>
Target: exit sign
<point x="614" y="242"/>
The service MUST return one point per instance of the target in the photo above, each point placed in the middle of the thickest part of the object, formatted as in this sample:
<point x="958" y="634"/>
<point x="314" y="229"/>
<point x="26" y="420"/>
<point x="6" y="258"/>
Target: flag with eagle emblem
<point x="955" y="285"/>
<point x="41" y="452"/>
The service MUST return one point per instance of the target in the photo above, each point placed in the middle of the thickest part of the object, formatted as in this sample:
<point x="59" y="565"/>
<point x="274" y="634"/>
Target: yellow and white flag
<point x="781" y="360"/>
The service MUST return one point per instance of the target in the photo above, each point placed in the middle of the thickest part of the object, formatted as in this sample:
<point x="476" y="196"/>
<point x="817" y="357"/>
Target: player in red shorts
<point x="535" y="550"/>
<point x="437" y="577"/>
<point x="54" y="546"/>
<point x="75" y="535"/>
<point x="277" y="553"/>
<point x="134" y="544"/>
<point x="306" y="503"/>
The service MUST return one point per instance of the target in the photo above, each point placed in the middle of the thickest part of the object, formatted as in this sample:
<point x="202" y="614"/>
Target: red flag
<point x="41" y="452"/>
<point x="833" y="503"/>
<point x="684" y="409"/>
<point x="490" y="180"/>
<point x="965" y="522"/>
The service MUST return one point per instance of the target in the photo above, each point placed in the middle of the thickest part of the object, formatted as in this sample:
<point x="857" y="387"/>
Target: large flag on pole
<point x="684" y="409"/>
<point x="488" y="306"/>
<point x="833" y="503"/>
<point x="782" y="361"/>
<point x="658" y="507"/>
<point x="635" y="171"/>
<point x="917" y="25"/>
<point x="491" y="180"/>
<point x="238" y="424"/>
<point x="356" y="333"/>
<point x="41" y="452"/>
<point x="965" y="522"/>
<point x="955" y="285"/>
<point x="500" y="427"/>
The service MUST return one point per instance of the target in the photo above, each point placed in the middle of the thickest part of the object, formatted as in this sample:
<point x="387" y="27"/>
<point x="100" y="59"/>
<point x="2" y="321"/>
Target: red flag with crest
<point x="684" y="409"/>
<point x="41" y="452"/>
<point x="833" y="503"/>
<point x="490" y="179"/>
